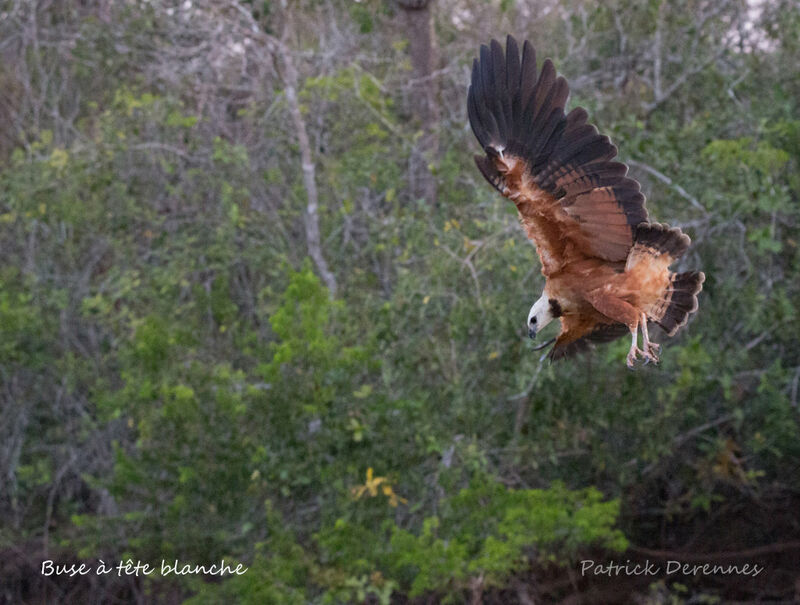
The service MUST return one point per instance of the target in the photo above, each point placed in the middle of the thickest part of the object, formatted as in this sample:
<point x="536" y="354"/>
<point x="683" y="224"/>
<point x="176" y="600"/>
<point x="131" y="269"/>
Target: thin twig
<point x="670" y="183"/>
<point x="716" y="556"/>
<point x="680" y="81"/>
<point x="473" y="272"/>
<point x="756" y="340"/>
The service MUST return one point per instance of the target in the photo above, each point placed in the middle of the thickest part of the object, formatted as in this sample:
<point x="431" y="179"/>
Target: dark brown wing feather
<point x="602" y="333"/>
<point x="518" y="117"/>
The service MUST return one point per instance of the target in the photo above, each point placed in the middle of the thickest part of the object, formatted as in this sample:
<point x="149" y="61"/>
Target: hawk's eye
<point x="533" y="320"/>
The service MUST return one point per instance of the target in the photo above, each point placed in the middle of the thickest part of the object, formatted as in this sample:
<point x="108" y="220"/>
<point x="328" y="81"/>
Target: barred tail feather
<point x="679" y="301"/>
<point x="655" y="240"/>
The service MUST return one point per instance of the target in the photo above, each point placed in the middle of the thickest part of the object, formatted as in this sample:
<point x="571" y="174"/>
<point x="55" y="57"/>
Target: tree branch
<point x="716" y="556"/>
<point x="670" y="183"/>
<point x="679" y="81"/>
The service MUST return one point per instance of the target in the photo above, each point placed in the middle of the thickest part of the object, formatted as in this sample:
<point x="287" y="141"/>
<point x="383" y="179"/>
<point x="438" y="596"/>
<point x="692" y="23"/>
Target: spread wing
<point x="574" y="201"/>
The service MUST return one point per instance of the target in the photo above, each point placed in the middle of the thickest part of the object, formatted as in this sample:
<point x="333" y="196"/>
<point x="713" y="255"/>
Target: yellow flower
<point x="371" y="487"/>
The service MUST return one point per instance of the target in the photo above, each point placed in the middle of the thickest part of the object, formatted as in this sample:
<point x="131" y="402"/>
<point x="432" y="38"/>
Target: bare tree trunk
<point x="424" y="93"/>
<point x="311" y="216"/>
<point x="476" y="590"/>
<point x="284" y="61"/>
<point x="10" y="92"/>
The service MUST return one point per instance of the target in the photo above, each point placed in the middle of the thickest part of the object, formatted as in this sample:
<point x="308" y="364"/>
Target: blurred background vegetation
<point x="256" y="303"/>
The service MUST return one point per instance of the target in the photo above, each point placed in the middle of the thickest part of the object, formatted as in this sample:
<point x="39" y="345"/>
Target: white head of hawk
<point x="543" y="311"/>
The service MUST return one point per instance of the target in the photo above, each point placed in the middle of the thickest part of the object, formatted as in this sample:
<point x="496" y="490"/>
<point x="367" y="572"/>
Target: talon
<point x="651" y="352"/>
<point x="632" y="354"/>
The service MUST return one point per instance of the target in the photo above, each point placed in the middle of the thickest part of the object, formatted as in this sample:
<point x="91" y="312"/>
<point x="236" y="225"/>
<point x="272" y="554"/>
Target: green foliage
<point x="278" y="573"/>
<point x="734" y="156"/>
<point x="22" y="333"/>
<point x="484" y="531"/>
<point x="490" y="531"/>
<point x="187" y="415"/>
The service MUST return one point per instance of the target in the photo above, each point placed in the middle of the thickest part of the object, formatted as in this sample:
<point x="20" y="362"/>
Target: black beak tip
<point x="531" y="333"/>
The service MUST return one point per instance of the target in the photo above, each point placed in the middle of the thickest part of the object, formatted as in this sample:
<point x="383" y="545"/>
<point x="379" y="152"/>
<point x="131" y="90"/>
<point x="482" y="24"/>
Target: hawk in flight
<point x="606" y="266"/>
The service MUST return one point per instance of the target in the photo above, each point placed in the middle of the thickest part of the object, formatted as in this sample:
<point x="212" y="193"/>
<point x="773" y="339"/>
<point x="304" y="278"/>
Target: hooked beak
<point x="532" y="332"/>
